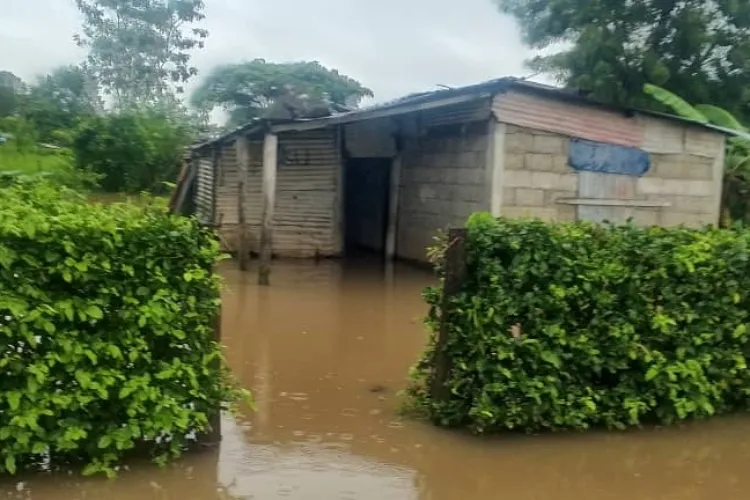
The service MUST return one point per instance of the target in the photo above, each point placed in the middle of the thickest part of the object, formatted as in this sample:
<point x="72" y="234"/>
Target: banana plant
<point x="736" y="193"/>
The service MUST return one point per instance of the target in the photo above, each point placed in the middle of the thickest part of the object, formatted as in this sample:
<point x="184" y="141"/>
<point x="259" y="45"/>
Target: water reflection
<point x="325" y="351"/>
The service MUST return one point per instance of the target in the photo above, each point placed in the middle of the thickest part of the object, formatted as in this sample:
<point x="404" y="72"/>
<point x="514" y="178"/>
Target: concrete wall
<point x="442" y="183"/>
<point x="536" y="175"/>
<point x="683" y="185"/>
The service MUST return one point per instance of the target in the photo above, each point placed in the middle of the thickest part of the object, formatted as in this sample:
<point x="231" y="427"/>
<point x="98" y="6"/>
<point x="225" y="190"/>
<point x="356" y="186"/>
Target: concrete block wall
<point x="687" y="168"/>
<point x="683" y="185"/>
<point x="442" y="183"/>
<point x="536" y="174"/>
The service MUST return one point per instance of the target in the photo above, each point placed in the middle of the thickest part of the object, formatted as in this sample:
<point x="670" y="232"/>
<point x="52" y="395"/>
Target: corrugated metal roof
<point x="443" y="97"/>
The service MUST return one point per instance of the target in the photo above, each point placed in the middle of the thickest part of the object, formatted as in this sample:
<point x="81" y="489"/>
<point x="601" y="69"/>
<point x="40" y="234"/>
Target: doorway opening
<point x="366" y="205"/>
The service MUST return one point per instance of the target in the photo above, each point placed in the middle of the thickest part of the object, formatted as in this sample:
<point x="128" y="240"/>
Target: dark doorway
<point x="366" y="198"/>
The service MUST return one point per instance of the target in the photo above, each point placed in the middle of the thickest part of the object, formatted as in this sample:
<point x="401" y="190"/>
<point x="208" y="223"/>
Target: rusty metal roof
<point x="443" y="97"/>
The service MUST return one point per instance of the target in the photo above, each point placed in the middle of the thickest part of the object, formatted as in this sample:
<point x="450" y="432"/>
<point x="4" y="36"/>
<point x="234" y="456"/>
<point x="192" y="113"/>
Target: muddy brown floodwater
<point x="325" y="351"/>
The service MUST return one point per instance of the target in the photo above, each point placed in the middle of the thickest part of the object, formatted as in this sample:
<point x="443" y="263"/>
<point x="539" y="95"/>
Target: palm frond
<point x="675" y="103"/>
<point x="721" y="117"/>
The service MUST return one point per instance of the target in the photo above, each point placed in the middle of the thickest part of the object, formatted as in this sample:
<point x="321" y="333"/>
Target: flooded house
<point x="388" y="177"/>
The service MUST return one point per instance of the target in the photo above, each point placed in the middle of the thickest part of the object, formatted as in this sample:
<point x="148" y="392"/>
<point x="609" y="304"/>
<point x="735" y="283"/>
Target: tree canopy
<point x="139" y="50"/>
<point x="259" y="89"/>
<point x="61" y="99"/>
<point x="611" y="48"/>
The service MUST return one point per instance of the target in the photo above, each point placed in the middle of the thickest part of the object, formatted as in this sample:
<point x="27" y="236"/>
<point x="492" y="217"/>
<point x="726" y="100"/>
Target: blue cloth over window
<point x="593" y="156"/>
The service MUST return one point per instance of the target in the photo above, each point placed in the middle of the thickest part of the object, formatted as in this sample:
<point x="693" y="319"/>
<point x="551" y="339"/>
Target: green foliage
<point x="675" y="103"/>
<point x="59" y="101"/>
<point x="133" y="151"/>
<point x="106" y="330"/>
<point x="140" y="51"/>
<point x="699" y="50"/>
<point x="10" y="86"/>
<point x="569" y="326"/>
<point x="261" y="89"/>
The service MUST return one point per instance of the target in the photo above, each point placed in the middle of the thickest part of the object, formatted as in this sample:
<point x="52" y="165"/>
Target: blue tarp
<point x="593" y="156"/>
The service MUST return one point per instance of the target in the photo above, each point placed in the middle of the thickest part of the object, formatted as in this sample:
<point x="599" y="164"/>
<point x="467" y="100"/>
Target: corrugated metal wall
<point x="204" y="193"/>
<point x="472" y="111"/>
<point x="306" y="221"/>
<point x="306" y="216"/>
<point x="570" y="119"/>
<point x="228" y="186"/>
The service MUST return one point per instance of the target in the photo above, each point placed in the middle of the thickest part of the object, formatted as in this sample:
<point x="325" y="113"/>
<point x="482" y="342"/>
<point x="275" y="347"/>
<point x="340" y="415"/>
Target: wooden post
<point x="213" y="436"/>
<point x="455" y="270"/>
<point x="270" y="165"/>
<point x="216" y="170"/>
<point x="393" y="201"/>
<point x="243" y="165"/>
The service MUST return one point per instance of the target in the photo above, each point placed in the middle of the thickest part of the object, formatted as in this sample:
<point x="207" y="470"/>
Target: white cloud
<point x="392" y="46"/>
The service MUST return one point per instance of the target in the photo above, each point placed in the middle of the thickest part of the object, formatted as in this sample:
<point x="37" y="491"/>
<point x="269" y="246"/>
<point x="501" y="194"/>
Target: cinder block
<point x="551" y="180"/>
<point x="538" y="162"/>
<point x="671" y="170"/>
<point x="551" y="196"/>
<point x="517" y="178"/>
<point x="530" y="197"/>
<point x="509" y="196"/>
<point x="519" y="142"/>
<point x="567" y="213"/>
<point x="682" y="187"/>
<point x="689" y="187"/>
<point x="560" y="164"/>
<point x="543" y="213"/>
<point x="670" y="218"/>
<point x="548" y="144"/>
<point x="702" y="142"/>
<point x="476" y="143"/>
<point x="650" y="185"/>
<point x="514" y="161"/>
<point x="469" y="193"/>
<point x="647" y="216"/>
<point x="474" y="176"/>
<point x="691" y="204"/>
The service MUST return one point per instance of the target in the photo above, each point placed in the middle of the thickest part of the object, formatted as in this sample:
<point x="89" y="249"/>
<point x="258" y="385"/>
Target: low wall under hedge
<point x="568" y="326"/>
<point x="107" y="316"/>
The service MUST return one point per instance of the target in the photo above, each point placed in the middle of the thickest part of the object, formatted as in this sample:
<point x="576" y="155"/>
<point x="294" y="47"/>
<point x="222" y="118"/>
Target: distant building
<point x="389" y="177"/>
<point x="9" y="80"/>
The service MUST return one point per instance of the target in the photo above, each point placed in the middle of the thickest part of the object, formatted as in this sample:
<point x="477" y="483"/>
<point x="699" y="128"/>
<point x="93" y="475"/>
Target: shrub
<point x="106" y="330"/>
<point x="133" y="151"/>
<point x="568" y="326"/>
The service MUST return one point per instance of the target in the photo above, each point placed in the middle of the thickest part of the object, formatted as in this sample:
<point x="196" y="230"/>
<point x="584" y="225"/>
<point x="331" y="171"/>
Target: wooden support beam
<point x="455" y="271"/>
<point x="393" y="205"/>
<point x="242" y="146"/>
<point x="213" y="435"/>
<point x="270" y="166"/>
<point x="216" y="174"/>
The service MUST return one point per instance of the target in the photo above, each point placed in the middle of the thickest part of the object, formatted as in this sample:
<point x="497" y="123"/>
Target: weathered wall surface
<point x="307" y="212"/>
<point x="537" y="175"/>
<point x="682" y="186"/>
<point x="442" y="183"/>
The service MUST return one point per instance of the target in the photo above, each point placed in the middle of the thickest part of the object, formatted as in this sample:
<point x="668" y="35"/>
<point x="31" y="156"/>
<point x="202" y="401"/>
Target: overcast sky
<point x="392" y="46"/>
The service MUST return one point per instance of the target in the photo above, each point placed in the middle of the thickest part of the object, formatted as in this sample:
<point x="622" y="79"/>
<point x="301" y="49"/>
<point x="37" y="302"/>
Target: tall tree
<point x="262" y="89"/>
<point x="59" y="100"/>
<point x="11" y="88"/>
<point x="697" y="48"/>
<point x="139" y="50"/>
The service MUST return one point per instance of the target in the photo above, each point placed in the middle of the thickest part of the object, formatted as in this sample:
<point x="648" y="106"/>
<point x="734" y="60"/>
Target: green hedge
<point x="107" y="315"/>
<point x="568" y="326"/>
